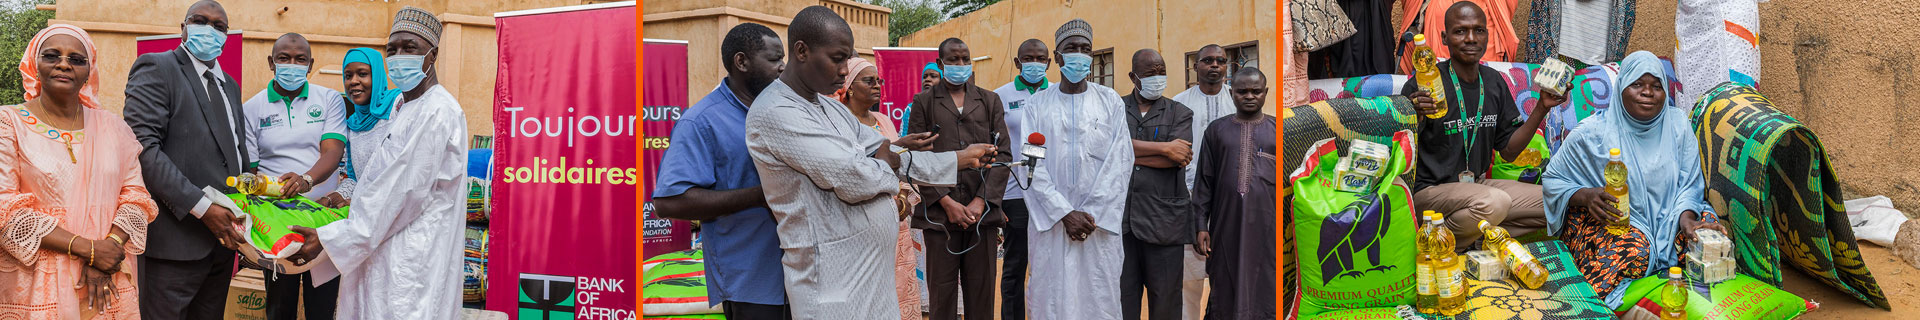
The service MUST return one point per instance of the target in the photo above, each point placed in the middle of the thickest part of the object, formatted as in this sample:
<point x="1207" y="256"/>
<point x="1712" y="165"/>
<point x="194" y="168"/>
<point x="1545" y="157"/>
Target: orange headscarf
<point x="30" y="64"/>
<point x="854" y="65"/>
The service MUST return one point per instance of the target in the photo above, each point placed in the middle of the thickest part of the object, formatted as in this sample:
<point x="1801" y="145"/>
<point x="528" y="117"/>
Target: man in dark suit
<point x="962" y="222"/>
<point x="186" y="113"/>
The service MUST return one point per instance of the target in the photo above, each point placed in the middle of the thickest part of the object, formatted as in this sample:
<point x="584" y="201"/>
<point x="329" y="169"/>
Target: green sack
<point x="1358" y="314"/>
<point x="1354" y="250"/>
<point x="1743" y="297"/>
<point x="1522" y="173"/>
<point x="675" y="284"/>
<point x="272" y="216"/>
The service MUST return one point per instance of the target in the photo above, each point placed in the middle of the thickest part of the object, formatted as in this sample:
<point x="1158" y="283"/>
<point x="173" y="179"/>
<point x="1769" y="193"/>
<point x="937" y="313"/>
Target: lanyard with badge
<point x="1469" y="126"/>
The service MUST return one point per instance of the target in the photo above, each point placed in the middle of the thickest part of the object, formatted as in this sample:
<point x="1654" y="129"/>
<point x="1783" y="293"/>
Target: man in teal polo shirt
<point x="296" y="132"/>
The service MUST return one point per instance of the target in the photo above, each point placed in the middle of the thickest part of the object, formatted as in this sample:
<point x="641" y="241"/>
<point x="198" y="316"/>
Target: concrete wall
<point x="1843" y="67"/>
<point x="1173" y="27"/>
<point x="468" y="53"/>
<point x="704" y="23"/>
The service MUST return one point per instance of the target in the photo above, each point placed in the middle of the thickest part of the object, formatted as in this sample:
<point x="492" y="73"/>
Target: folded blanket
<point x="1769" y="177"/>
<point x="1372" y="119"/>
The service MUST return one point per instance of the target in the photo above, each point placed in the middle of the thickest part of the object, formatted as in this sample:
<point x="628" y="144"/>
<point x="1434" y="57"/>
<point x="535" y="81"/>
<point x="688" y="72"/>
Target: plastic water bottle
<point x="1426" y="74"/>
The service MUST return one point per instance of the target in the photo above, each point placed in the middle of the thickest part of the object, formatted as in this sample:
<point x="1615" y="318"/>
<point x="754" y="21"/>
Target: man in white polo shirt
<point x="296" y="131"/>
<point x="1032" y="63"/>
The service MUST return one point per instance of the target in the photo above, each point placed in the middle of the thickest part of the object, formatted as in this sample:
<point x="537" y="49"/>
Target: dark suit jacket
<point x="188" y="143"/>
<point x="1159" y="207"/>
<point x="982" y="118"/>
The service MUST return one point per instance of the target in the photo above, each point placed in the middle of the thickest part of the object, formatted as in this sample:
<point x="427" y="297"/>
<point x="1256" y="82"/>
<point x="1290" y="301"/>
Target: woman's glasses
<point x="73" y="60"/>
<point x="872" y="82"/>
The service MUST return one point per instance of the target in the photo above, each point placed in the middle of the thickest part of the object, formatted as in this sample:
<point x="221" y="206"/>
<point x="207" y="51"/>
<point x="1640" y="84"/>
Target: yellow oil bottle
<point x="255" y="185"/>
<point x="1426" y="74"/>
<point x="1673" y="297"/>
<point x="1520" y="262"/>
<point x="1449" y="270"/>
<point x="1427" y="296"/>
<point x="1616" y="175"/>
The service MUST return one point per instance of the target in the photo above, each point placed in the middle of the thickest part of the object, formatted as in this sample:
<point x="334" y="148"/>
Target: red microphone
<point x="1036" y="139"/>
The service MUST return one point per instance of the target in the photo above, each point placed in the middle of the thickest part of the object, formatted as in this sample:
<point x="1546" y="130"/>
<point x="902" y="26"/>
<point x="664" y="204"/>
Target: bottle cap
<point x="1420" y="39"/>
<point x="231" y="181"/>
<point x="1673" y="272"/>
<point x="1483" y="224"/>
<point x="1615" y="152"/>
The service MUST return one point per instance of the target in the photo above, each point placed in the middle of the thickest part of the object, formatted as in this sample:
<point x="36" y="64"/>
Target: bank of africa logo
<point x="546" y="297"/>
<point x="1359" y="226"/>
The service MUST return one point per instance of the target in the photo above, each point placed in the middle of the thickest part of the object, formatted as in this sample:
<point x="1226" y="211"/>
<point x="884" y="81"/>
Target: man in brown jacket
<point x="961" y="223"/>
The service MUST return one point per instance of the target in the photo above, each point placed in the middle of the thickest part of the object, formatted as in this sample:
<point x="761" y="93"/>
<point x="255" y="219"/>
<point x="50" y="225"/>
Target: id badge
<point x="1466" y="176"/>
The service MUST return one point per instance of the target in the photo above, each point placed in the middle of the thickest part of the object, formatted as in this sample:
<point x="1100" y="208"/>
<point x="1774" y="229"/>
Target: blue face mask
<point x="204" y="42"/>
<point x="956" y="74"/>
<point x="1076" y="66"/>
<point x="1033" y="72"/>
<point x="290" y="76"/>
<point x="406" y="71"/>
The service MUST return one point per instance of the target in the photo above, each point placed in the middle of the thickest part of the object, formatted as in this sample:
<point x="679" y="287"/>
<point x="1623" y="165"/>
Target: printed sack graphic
<point x="1355" y="250"/>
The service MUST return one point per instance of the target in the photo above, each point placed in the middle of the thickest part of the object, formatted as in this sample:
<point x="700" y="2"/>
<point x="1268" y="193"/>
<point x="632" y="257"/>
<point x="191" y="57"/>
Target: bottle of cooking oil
<point x="1616" y="176"/>
<point x="1449" y="269"/>
<point x="1520" y="262"/>
<point x="1427" y="295"/>
<point x="1673" y="297"/>
<point x="1426" y="74"/>
<point x="255" y="185"/>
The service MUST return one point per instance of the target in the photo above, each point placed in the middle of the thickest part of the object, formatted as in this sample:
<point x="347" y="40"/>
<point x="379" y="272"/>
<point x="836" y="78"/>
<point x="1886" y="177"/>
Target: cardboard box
<point x="247" y="296"/>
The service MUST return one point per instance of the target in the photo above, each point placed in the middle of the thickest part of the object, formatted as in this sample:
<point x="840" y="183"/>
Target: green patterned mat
<point x="1768" y="176"/>
<point x="1566" y="295"/>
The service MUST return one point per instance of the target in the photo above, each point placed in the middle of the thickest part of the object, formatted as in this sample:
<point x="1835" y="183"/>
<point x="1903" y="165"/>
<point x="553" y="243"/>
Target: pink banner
<point x="665" y="99"/>
<point x="229" y="54"/>
<point x="900" y="67"/>
<point x="564" y="142"/>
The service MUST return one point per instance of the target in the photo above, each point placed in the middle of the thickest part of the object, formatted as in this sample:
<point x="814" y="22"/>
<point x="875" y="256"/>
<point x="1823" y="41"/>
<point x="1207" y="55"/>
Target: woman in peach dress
<point x="861" y="95"/>
<point x="72" y="204"/>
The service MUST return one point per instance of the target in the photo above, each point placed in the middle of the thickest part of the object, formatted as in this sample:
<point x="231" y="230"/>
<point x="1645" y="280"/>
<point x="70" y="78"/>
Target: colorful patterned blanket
<point x="1593" y="87"/>
<point x="1373" y="119"/>
<point x="1566" y="295"/>
<point x="1769" y="177"/>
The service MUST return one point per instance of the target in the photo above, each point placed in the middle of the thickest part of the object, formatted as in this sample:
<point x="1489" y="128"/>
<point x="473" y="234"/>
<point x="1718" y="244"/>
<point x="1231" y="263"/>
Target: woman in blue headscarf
<point x="928" y="75"/>
<point x="368" y="102"/>
<point x="1665" y="186"/>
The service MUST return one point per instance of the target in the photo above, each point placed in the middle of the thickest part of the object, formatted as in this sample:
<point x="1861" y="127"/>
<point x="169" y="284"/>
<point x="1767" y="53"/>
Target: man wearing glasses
<point x="1209" y="101"/>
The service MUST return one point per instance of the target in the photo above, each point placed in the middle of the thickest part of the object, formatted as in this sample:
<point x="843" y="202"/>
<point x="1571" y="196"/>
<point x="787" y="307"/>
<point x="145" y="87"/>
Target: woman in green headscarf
<point x="368" y="102"/>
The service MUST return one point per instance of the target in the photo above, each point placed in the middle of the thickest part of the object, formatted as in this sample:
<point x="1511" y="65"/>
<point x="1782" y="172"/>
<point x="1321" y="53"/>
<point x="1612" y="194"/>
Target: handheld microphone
<point x="1034" y="151"/>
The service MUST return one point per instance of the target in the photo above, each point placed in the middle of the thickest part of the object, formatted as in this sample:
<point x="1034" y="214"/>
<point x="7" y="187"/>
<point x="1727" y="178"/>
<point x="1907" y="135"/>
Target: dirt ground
<point x="1901" y="283"/>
